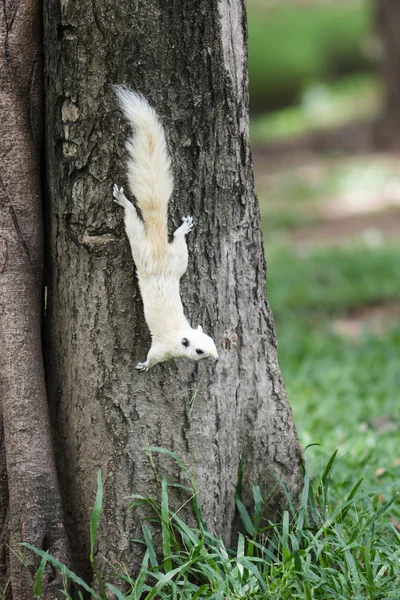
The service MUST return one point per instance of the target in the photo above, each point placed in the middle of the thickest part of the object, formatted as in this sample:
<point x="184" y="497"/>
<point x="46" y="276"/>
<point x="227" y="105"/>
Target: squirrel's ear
<point x="200" y="328"/>
<point x="185" y="342"/>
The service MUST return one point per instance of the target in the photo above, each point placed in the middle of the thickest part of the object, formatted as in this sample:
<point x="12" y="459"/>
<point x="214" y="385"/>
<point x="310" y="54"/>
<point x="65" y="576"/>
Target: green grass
<point x="336" y="385"/>
<point x="316" y="284"/>
<point x="318" y="550"/>
<point x="293" y="45"/>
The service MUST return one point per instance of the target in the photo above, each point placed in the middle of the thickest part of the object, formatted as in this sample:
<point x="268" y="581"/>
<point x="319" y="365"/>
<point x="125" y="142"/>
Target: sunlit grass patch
<point x="341" y="388"/>
<point x="323" y="282"/>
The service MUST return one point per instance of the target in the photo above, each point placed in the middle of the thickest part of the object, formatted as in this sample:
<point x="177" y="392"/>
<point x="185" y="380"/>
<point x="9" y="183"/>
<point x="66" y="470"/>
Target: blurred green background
<point x="330" y="206"/>
<point x="295" y="44"/>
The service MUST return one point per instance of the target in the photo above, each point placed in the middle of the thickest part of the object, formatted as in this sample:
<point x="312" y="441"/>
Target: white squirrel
<point x="160" y="264"/>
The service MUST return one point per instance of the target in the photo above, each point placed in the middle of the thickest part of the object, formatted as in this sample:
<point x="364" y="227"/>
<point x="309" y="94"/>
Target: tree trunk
<point x="190" y="60"/>
<point x="388" y="18"/>
<point x="30" y="506"/>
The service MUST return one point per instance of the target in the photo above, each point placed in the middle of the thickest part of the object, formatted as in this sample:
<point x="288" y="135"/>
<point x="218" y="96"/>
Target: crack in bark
<point x="3" y="255"/>
<point x="23" y="243"/>
<point x="5" y="202"/>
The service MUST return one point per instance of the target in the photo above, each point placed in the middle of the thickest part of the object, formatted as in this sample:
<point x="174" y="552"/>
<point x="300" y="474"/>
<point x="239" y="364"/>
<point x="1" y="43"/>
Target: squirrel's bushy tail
<point x="149" y="167"/>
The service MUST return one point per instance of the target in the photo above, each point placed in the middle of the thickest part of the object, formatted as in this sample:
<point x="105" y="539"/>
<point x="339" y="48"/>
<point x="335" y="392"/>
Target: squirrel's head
<point x="196" y="345"/>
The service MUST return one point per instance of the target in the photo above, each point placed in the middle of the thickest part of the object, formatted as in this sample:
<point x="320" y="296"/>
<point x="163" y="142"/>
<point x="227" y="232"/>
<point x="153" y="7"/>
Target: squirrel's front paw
<point x="186" y="226"/>
<point x="187" y="223"/>
<point x="119" y="196"/>
<point x="144" y="367"/>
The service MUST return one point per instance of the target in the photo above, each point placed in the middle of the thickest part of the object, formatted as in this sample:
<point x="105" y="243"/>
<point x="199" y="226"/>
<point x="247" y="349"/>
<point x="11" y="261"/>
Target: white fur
<point x="160" y="264"/>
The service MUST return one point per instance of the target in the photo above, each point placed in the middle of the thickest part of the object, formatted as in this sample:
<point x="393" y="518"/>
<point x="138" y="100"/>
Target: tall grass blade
<point x="285" y="534"/>
<point x="303" y="514"/>
<point x="297" y="562"/>
<point x="350" y="497"/>
<point x="240" y="553"/>
<point x="99" y="581"/>
<point x="94" y="525"/>
<point x="199" y="592"/>
<point x="323" y="489"/>
<point x="119" y="595"/>
<point x="308" y="593"/>
<point x="38" y="588"/>
<point x="328" y="469"/>
<point x="191" y="537"/>
<point x="165" y="528"/>
<point x="172" y="454"/>
<point x="141" y="579"/>
<point x="258" y="506"/>
<point x="246" y="520"/>
<point x="148" y="538"/>
<point x="96" y="513"/>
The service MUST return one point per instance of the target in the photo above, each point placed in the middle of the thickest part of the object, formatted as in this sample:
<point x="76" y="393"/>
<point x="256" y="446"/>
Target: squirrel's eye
<point x="185" y="342"/>
<point x="198" y="351"/>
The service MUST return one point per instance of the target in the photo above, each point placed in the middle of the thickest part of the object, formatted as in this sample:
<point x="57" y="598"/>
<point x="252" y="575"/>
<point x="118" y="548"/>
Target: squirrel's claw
<point x="120" y="198"/>
<point x="188" y="220"/>
<point x="117" y="191"/>
<point x="184" y="229"/>
<point x="142" y="367"/>
<point x="116" y="194"/>
<point x="187" y="225"/>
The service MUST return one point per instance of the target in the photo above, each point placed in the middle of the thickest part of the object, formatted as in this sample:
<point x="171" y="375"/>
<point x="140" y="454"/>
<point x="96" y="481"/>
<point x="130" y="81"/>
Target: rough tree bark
<point x="388" y="21"/>
<point x="30" y="506"/>
<point x="190" y="60"/>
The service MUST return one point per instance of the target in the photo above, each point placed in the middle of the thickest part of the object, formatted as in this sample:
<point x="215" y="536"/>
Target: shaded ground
<point x="326" y="198"/>
<point x="355" y="138"/>
<point x="375" y="319"/>
<point x="373" y="228"/>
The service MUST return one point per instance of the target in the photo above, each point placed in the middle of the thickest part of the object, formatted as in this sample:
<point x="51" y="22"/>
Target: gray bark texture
<point x="30" y="505"/>
<point x="189" y="58"/>
<point x="388" y="21"/>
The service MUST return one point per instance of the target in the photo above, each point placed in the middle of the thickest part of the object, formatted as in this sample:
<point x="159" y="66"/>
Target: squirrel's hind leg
<point x="134" y="226"/>
<point x="178" y="252"/>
